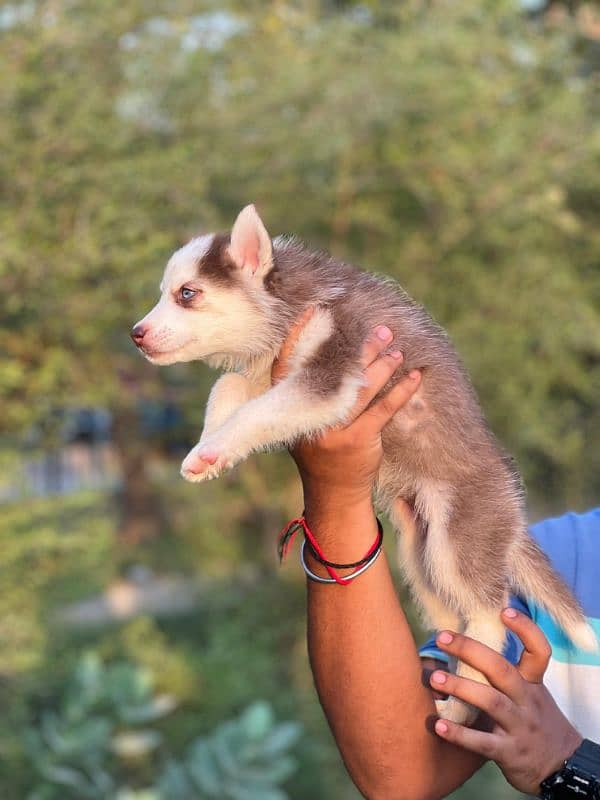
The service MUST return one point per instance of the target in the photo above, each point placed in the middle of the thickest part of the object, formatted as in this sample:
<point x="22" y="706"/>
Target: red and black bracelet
<point x="363" y="560"/>
<point x="287" y="537"/>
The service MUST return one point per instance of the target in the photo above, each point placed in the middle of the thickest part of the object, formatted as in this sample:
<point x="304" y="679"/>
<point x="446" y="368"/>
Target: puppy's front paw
<point x="203" y="463"/>
<point x="457" y="711"/>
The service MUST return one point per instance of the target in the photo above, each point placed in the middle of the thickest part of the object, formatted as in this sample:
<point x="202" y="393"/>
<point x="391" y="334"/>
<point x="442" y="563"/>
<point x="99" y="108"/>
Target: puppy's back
<point x="442" y="434"/>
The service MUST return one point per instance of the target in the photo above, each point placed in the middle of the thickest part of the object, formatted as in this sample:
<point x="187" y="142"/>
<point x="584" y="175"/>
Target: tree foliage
<point x="99" y="737"/>
<point x="449" y="144"/>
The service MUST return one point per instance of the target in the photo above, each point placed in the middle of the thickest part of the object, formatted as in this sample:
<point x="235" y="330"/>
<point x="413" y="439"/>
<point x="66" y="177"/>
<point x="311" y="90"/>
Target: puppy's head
<point x="213" y="302"/>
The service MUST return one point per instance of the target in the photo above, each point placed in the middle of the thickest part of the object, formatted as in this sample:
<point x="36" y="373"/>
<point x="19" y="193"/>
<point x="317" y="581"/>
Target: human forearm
<point x="363" y="656"/>
<point x="366" y="667"/>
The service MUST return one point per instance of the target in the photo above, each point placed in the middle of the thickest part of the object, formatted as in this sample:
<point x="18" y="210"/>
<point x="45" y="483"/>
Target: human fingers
<point x="429" y="665"/>
<point x="501" y="674"/>
<point x="488" y="745"/>
<point x="280" y="366"/>
<point x="378" y="368"/>
<point x="384" y="409"/>
<point x="499" y="707"/>
<point x="536" y="655"/>
<point x="379" y="339"/>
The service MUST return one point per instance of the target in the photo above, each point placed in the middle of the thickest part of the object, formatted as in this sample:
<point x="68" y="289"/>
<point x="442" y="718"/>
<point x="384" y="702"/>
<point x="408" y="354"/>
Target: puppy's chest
<point x="258" y="374"/>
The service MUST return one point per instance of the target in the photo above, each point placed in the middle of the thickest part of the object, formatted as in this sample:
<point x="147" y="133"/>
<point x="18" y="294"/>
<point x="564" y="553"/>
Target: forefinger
<point x="378" y="367"/>
<point x="374" y="345"/>
<point x="501" y="674"/>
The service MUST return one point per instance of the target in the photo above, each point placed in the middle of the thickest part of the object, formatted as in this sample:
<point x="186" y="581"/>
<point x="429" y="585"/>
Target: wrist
<point x="340" y="517"/>
<point x="344" y="526"/>
<point x="325" y="501"/>
<point x="572" y="740"/>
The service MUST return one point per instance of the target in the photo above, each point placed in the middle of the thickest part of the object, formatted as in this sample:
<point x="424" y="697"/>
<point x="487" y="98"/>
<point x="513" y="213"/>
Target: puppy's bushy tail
<point x="532" y="576"/>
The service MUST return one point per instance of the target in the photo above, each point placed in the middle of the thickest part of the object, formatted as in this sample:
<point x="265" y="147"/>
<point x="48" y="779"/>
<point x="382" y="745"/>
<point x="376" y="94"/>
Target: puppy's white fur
<point x="245" y="291"/>
<point x="229" y="330"/>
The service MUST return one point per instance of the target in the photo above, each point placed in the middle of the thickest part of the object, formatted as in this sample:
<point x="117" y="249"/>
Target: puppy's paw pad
<point x="203" y="465"/>
<point x="456" y="711"/>
<point x="207" y="457"/>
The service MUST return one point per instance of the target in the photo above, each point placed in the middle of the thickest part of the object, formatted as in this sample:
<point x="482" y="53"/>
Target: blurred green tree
<point x="102" y="736"/>
<point x="450" y="145"/>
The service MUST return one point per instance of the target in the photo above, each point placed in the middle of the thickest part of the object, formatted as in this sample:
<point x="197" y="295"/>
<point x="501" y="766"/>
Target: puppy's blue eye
<point x="187" y="294"/>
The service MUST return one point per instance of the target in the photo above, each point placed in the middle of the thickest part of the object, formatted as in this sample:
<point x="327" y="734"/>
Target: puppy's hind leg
<point x="411" y="531"/>
<point x="485" y="626"/>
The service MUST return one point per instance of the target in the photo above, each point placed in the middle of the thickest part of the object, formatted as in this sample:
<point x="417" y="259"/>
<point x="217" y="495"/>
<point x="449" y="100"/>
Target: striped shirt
<point x="572" y="543"/>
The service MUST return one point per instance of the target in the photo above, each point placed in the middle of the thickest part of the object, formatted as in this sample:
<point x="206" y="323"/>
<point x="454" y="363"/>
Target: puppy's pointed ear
<point x="251" y="247"/>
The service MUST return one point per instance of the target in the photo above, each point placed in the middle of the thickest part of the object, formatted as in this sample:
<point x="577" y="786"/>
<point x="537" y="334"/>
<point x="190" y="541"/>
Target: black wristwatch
<point x="578" y="779"/>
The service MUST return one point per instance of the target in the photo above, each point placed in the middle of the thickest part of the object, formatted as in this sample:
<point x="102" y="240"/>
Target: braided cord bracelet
<point x="375" y="546"/>
<point x="319" y="579"/>
<point x="286" y="539"/>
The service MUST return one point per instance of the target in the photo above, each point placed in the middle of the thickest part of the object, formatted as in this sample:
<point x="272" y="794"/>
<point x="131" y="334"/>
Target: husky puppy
<point x="231" y="299"/>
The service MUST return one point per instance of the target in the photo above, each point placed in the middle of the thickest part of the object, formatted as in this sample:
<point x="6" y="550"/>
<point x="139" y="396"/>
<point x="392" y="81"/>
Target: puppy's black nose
<point x="137" y="334"/>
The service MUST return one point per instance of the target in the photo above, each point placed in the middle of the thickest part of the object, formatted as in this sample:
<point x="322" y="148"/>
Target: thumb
<point x="280" y="367"/>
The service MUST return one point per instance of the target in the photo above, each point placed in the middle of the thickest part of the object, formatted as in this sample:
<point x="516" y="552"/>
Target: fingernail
<point x="439" y="676"/>
<point x="510" y="613"/>
<point x="445" y="637"/>
<point x="383" y="333"/>
<point x="414" y="374"/>
<point x="441" y="726"/>
<point x="396" y="354"/>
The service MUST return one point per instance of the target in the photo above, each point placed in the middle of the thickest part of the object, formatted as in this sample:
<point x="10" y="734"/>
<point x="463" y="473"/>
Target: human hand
<point x="530" y="737"/>
<point x="345" y="459"/>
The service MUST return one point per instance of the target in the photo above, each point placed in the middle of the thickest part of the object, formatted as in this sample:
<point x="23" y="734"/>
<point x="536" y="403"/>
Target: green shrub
<point x="89" y="746"/>
<point x="243" y="759"/>
<point x="99" y="717"/>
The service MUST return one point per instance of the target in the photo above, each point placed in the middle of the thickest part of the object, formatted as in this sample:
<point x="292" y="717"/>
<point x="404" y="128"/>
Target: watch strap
<point x="578" y="778"/>
<point x="587" y="758"/>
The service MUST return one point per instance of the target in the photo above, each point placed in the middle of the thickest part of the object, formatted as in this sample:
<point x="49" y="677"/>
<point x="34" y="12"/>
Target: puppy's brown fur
<point x="469" y="547"/>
